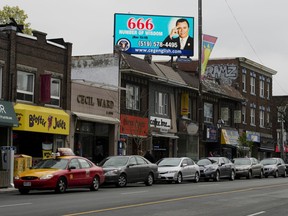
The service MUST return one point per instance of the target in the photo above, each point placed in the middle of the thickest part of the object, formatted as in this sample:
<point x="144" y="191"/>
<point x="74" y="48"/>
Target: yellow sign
<point x="47" y="154"/>
<point x="229" y="137"/>
<point x="184" y="104"/>
<point x="42" y="119"/>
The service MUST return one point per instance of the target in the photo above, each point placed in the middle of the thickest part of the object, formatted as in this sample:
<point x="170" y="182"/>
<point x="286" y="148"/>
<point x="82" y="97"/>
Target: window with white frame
<point x="244" y="80"/>
<point x="244" y="114"/>
<point x="252" y="116"/>
<point x="268" y="119"/>
<point x="261" y="84"/>
<point x="208" y="112"/>
<point x="252" y="85"/>
<point x="55" y="91"/>
<point x="261" y="118"/>
<point x="25" y="86"/>
<point x="132" y="97"/>
<point x="268" y="90"/>
<point x="161" y="103"/>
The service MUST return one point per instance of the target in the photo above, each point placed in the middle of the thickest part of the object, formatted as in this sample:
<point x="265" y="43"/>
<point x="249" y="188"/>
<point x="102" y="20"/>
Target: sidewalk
<point x="7" y="190"/>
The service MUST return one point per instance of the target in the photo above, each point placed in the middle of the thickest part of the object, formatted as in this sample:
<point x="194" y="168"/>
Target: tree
<point x="245" y="146"/>
<point x="18" y="15"/>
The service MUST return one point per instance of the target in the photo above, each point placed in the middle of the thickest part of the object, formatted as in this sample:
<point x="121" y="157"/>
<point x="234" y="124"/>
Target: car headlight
<point x="210" y="169"/>
<point x="16" y="177"/>
<point x="172" y="171"/>
<point x="48" y="176"/>
<point x="112" y="172"/>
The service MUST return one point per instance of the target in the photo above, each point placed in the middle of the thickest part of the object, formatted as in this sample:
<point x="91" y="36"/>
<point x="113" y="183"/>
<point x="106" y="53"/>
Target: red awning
<point x="278" y="150"/>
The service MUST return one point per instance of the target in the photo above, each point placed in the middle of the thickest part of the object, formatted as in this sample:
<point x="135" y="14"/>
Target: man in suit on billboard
<point x="183" y="41"/>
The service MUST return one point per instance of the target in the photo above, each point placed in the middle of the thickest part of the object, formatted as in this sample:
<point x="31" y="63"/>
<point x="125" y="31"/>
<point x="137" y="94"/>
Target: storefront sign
<point x="42" y="119"/>
<point x="253" y="136"/>
<point x="160" y="122"/>
<point x="134" y="125"/>
<point x="7" y="114"/>
<point x="211" y="134"/>
<point x="229" y="137"/>
<point x="100" y="102"/>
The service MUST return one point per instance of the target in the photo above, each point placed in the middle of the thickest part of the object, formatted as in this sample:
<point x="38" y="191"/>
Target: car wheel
<point x="249" y="174"/>
<point x="122" y="181"/>
<point x="149" y="181"/>
<point x="217" y="176"/>
<point x="23" y="191"/>
<point x="285" y="174"/>
<point x="61" y="185"/>
<point x="232" y="176"/>
<point x="179" y="178"/>
<point x="95" y="184"/>
<point x="261" y="174"/>
<point x="197" y="177"/>
<point x="276" y="175"/>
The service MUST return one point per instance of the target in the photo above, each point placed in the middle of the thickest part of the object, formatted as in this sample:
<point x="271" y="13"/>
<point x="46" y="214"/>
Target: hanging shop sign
<point x="7" y="114"/>
<point x="134" y="125"/>
<point x="160" y="122"/>
<point x="229" y="137"/>
<point x="42" y="119"/>
<point x="253" y="136"/>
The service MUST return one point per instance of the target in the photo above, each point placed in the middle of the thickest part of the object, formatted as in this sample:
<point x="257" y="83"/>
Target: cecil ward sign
<point x="100" y="102"/>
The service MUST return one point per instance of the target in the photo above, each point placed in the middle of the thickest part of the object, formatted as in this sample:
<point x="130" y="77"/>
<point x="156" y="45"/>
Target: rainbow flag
<point x="208" y="43"/>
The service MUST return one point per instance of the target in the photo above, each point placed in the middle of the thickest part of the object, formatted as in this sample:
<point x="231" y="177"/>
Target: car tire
<point x="276" y="175"/>
<point x="61" y="185"/>
<point x="179" y="178"/>
<point x="95" y="184"/>
<point x="217" y="176"/>
<point x="232" y="176"/>
<point x="197" y="177"/>
<point x="261" y="174"/>
<point x="23" y="191"/>
<point x="149" y="181"/>
<point x="122" y="180"/>
<point x="285" y="174"/>
<point x="249" y="174"/>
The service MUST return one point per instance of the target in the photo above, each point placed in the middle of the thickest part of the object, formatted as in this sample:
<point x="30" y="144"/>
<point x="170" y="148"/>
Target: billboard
<point x="154" y="35"/>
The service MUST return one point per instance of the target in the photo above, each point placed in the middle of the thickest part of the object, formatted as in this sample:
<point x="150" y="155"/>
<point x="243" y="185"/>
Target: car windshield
<point x="114" y="162"/>
<point x="269" y="161"/>
<point x="52" y="163"/>
<point x="242" y="161"/>
<point x="169" y="162"/>
<point x="204" y="162"/>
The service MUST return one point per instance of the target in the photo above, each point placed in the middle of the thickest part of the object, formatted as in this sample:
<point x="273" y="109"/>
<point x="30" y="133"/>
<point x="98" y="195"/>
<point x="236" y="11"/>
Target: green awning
<point x="7" y="114"/>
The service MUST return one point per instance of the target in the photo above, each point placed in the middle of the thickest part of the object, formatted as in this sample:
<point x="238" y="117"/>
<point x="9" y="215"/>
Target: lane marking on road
<point x="135" y="192"/>
<point x="257" y="213"/>
<point x="173" y="200"/>
<point x="12" y="205"/>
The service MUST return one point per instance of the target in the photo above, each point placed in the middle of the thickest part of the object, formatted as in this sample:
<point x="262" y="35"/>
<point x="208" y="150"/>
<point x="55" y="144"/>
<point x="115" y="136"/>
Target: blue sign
<point x="155" y="35"/>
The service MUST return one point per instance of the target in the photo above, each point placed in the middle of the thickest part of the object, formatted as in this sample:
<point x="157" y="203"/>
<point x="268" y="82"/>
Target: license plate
<point x="26" y="184"/>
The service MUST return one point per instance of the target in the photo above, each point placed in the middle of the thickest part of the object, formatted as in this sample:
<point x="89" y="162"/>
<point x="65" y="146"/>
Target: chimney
<point x="41" y="36"/>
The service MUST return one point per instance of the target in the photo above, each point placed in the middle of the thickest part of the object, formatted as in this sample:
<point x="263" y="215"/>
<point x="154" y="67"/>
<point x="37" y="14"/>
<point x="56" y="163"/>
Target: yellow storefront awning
<point x="42" y="119"/>
<point x="229" y="137"/>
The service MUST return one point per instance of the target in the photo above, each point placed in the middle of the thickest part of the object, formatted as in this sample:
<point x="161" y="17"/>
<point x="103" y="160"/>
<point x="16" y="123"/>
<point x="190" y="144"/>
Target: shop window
<point x="208" y="112"/>
<point x="161" y="103"/>
<point x="132" y="97"/>
<point x="25" y="86"/>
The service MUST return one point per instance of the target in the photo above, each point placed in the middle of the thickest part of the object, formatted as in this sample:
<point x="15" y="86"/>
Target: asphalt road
<point x="242" y="197"/>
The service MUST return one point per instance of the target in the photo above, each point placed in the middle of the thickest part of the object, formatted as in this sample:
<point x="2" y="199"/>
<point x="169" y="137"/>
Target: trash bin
<point x="21" y="163"/>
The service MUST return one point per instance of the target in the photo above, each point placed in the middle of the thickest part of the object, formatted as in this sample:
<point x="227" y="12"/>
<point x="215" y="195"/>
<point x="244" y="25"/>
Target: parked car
<point x="59" y="174"/>
<point x="121" y="170"/>
<point x="216" y="168"/>
<point x="248" y="167"/>
<point x="177" y="169"/>
<point x="274" y="167"/>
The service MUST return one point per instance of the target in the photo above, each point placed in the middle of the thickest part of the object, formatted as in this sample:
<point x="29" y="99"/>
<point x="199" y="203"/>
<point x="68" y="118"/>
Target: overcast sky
<point x="254" y="29"/>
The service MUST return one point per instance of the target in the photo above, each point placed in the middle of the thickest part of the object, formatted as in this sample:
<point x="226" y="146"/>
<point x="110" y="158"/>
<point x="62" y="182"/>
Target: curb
<point x="7" y="190"/>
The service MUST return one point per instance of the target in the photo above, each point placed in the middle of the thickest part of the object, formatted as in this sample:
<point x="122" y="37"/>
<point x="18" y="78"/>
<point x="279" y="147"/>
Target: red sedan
<point x="59" y="174"/>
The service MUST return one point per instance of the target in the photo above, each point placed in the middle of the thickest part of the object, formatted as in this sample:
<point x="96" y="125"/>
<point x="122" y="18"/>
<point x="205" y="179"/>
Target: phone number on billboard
<point x="157" y="44"/>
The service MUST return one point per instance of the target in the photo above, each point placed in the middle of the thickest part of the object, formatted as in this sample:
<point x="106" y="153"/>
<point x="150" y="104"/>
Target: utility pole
<point x="200" y="106"/>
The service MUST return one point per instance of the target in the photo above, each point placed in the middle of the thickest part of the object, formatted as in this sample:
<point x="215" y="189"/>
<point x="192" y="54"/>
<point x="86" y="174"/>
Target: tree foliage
<point x="18" y="15"/>
<point x="245" y="146"/>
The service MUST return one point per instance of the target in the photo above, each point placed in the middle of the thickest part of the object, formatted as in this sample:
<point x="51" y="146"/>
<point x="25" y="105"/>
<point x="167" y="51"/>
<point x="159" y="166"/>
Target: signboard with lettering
<point x="160" y="122"/>
<point x="134" y="125"/>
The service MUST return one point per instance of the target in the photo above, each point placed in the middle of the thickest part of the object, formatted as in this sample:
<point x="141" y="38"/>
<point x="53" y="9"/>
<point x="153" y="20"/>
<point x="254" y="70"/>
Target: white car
<point x="177" y="169"/>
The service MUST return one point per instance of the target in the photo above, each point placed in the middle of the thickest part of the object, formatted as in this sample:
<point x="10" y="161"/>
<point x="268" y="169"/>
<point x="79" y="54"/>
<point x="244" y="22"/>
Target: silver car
<point x="248" y="167"/>
<point x="177" y="169"/>
<point x="274" y="167"/>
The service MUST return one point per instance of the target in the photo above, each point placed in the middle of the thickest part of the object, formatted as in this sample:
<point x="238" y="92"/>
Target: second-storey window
<point x="132" y="97"/>
<point x="244" y="82"/>
<point x="261" y="88"/>
<point x="261" y="118"/>
<point x="252" y="116"/>
<point x="55" y="91"/>
<point x="25" y="86"/>
<point x="208" y="112"/>
<point x="268" y="90"/>
<point x="161" y="103"/>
